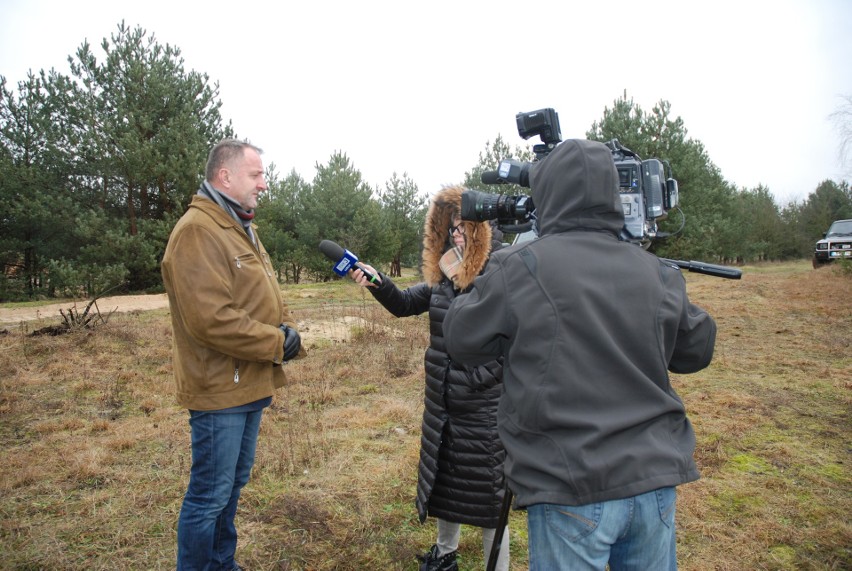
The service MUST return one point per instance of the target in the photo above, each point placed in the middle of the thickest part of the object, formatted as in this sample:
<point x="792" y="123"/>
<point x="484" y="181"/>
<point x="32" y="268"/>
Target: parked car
<point x="836" y="244"/>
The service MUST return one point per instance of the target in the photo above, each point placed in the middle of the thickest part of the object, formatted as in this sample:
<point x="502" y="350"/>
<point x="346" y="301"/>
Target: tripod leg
<point x="501" y="526"/>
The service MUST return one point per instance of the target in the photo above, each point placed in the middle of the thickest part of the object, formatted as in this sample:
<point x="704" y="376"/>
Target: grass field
<point x="95" y="452"/>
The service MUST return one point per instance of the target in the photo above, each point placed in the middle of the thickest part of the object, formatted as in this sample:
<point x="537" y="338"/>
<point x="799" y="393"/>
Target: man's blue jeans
<point x="631" y="534"/>
<point x="223" y="446"/>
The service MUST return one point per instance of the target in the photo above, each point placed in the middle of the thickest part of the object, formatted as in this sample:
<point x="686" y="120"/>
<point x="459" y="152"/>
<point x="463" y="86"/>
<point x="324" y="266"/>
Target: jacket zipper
<point x="236" y="374"/>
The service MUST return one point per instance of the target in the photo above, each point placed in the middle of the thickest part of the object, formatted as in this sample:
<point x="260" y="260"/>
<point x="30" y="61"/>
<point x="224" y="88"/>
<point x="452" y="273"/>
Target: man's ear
<point x="225" y="176"/>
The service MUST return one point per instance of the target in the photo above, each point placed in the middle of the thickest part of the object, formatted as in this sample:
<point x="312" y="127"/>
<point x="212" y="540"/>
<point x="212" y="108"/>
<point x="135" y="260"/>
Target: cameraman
<point x="596" y="437"/>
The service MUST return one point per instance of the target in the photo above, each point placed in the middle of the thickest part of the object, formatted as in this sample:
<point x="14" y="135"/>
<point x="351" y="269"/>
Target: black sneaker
<point x="430" y="561"/>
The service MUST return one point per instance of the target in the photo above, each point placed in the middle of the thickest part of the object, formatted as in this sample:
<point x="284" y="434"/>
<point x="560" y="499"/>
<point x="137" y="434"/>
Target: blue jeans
<point x="223" y="446"/>
<point x="631" y="534"/>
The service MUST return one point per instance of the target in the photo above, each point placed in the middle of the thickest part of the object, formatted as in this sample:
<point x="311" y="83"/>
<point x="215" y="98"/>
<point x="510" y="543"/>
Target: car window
<point x="840" y="228"/>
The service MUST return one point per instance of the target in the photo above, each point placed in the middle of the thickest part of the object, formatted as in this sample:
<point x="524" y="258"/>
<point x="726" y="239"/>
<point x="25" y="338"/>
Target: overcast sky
<point x="421" y="87"/>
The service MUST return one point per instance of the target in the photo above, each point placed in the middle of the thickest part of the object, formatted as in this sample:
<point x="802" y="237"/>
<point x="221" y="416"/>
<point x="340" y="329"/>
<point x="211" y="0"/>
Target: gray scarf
<point x="231" y="206"/>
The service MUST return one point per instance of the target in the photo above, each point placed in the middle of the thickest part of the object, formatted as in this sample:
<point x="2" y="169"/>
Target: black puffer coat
<point x="460" y="475"/>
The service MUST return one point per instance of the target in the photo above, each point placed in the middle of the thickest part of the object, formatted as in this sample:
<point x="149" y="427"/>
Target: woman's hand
<point x="361" y="279"/>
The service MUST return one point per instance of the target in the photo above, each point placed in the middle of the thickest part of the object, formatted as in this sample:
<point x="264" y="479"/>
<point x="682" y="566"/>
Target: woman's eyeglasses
<point x="459" y="229"/>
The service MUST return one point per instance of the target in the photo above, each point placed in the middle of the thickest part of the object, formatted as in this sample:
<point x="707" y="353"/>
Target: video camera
<point x="647" y="188"/>
<point x="648" y="192"/>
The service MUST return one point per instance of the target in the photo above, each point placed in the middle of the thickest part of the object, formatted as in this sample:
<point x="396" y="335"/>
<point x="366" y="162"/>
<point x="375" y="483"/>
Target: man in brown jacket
<point x="232" y="332"/>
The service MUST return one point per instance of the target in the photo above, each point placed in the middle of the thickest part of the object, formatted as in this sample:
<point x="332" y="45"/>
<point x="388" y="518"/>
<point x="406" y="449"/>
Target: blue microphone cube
<point x="345" y="264"/>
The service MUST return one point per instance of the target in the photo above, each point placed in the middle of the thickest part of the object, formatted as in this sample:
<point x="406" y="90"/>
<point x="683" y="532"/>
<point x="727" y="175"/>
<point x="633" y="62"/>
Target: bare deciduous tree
<point x="842" y="118"/>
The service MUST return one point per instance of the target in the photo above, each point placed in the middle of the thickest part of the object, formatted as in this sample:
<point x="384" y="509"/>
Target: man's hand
<point x="292" y="342"/>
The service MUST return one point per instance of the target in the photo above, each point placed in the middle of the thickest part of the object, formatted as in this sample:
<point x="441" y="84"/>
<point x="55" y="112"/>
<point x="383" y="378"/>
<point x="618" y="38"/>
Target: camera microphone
<point x="491" y="177"/>
<point x="509" y="171"/>
<point x="344" y="260"/>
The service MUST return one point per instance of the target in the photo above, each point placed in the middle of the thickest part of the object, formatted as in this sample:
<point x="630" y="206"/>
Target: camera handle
<point x="708" y="269"/>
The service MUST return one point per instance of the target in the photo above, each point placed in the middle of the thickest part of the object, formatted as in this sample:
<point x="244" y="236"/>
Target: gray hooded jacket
<point x="589" y="327"/>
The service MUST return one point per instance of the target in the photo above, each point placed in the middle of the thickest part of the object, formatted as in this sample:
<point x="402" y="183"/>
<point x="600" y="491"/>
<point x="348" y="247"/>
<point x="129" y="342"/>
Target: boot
<point x="430" y="561"/>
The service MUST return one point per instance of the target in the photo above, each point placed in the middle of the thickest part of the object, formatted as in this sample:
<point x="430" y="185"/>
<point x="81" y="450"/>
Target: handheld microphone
<point x="344" y="260"/>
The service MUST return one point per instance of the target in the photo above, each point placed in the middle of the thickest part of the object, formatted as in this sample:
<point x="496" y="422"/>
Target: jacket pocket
<point x="242" y="260"/>
<point x="248" y="271"/>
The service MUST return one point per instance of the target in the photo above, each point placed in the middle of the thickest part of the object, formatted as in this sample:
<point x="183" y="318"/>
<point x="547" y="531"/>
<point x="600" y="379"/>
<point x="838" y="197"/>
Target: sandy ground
<point x="50" y="313"/>
<point x="311" y="330"/>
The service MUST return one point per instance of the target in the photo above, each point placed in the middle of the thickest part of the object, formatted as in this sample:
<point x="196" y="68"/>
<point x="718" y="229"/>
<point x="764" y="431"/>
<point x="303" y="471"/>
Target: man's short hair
<point x="226" y="152"/>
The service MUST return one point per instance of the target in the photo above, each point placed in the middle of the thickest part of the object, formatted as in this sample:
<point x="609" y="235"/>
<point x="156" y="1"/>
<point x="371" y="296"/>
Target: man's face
<point x="244" y="179"/>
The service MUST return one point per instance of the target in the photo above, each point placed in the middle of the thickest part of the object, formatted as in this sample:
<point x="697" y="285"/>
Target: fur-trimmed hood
<point x="436" y="240"/>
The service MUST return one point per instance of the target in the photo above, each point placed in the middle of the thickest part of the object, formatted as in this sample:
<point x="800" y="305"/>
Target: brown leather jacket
<point x="226" y="306"/>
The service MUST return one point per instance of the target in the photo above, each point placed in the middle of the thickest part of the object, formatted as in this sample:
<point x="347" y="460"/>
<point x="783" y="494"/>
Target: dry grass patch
<point x="96" y="453"/>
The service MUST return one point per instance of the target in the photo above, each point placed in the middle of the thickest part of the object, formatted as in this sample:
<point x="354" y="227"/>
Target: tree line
<point x="97" y="165"/>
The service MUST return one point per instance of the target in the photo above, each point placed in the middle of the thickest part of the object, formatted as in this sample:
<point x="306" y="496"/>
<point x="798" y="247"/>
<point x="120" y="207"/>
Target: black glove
<point x="292" y="342"/>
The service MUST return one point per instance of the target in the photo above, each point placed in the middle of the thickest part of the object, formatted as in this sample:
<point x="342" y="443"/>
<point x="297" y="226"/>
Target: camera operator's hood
<point x="576" y="188"/>
<point x="444" y="205"/>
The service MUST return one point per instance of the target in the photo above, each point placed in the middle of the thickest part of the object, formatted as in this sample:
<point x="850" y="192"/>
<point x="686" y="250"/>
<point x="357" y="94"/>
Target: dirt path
<point x="50" y="313"/>
<point x="312" y="331"/>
